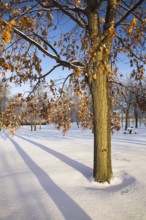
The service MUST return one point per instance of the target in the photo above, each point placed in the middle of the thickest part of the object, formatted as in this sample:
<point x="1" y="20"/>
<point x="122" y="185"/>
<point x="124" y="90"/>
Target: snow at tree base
<point x="47" y="176"/>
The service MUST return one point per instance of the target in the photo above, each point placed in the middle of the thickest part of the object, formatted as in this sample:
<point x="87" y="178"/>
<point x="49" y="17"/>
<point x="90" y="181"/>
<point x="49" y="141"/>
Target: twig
<point x="128" y="12"/>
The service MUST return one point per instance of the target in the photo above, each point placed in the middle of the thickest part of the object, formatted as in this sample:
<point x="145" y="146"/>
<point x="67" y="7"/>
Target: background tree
<point x="98" y="32"/>
<point x="4" y="98"/>
<point x="126" y="102"/>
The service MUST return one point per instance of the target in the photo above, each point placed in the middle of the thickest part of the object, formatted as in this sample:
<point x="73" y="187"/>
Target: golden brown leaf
<point x="6" y="36"/>
<point x="102" y="20"/>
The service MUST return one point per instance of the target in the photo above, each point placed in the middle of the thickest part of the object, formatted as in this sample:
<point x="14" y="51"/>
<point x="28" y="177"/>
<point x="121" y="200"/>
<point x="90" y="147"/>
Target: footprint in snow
<point x="124" y="191"/>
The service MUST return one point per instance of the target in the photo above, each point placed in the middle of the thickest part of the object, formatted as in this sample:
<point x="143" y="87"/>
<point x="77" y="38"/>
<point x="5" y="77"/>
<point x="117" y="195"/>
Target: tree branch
<point x="64" y="9"/>
<point x="34" y="88"/>
<point x="65" y="82"/>
<point x="26" y="12"/>
<point x="110" y="14"/>
<point x="129" y="12"/>
<point x="32" y="41"/>
<point x="47" y="43"/>
<point x="50" y="71"/>
<point x="121" y="40"/>
<point x="10" y="46"/>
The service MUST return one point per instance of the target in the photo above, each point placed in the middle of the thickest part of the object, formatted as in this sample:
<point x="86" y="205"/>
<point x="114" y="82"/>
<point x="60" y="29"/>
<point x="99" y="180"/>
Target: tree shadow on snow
<point x="14" y="193"/>
<point x="137" y="142"/>
<point x="83" y="169"/>
<point x="68" y="207"/>
<point x="127" y="182"/>
<point x="3" y="135"/>
<point x="41" y="134"/>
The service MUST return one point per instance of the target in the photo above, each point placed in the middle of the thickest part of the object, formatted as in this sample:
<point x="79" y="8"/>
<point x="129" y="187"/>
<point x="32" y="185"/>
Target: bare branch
<point x="65" y="9"/>
<point x="47" y="43"/>
<point x="72" y="7"/>
<point x="34" y="88"/>
<point x="10" y="46"/>
<point x="121" y="40"/>
<point x="129" y="12"/>
<point x="26" y="12"/>
<point x="66" y="79"/>
<point x="65" y="82"/>
<point x="50" y="71"/>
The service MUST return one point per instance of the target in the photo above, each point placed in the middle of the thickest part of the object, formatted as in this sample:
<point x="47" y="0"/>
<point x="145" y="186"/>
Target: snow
<point x="47" y="176"/>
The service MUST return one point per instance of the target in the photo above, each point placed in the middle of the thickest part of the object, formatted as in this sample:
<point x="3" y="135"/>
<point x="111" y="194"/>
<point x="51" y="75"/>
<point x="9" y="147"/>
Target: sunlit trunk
<point x="98" y="72"/>
<point x="102" y="135"/>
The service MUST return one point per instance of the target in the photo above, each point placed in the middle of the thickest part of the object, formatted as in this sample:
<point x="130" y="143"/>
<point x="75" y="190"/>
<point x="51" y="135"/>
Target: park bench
<point x="130" y="130"/>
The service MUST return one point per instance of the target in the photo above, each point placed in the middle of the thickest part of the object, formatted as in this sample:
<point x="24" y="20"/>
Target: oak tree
<point x="84" y="37"/>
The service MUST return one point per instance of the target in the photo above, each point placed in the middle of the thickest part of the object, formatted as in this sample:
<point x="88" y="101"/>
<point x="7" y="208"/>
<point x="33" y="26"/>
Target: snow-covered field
<point x="45" y="176"/>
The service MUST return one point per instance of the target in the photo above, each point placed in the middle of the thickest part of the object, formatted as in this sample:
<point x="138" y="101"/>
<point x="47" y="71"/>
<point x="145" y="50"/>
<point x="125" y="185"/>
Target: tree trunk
<point x="35" y="125"/>
<point x="40" y="125"/>
<point x="140" y="122"/>
<point x="136" y="120"/>
<point x="126" y="121"/>
<point x="102" y="135"/>
<point x="98" y="70"/>
<point x="34" y="121"/>
<point x="129" y="121"/>
<point x="122" y="119"/>
<point x="31" y="126"/>
<point x="77" y="121"/>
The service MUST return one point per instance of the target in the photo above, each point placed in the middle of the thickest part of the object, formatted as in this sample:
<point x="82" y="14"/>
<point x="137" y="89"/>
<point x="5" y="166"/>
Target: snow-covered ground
<point x="45" y="176"/>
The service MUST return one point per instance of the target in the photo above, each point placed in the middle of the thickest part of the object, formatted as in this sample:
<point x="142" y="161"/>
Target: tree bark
<point x="102" y="135"/>
<point x="98" y="83"/>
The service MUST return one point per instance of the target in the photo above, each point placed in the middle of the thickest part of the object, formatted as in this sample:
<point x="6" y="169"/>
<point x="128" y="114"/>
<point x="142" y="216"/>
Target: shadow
<point x="130" y="141"/>
<point x="127" y="181"/>
<point x="68" y="207"/>
<point x="16" y="196"/>
<point x="38" y="134"/>
<point x="121" y="159"/>
<point x="50" y="134"/>
<point x="3" y="135"/>
<point x="83" y="169"/>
